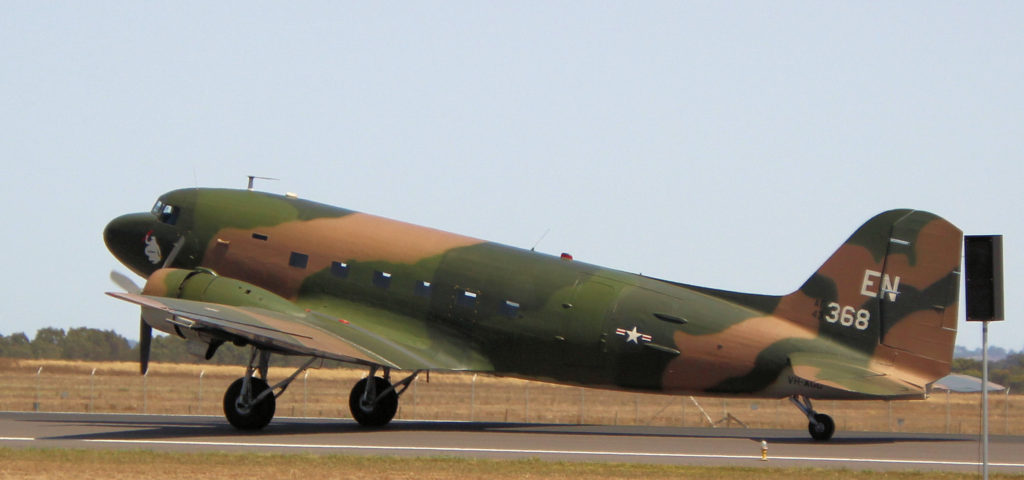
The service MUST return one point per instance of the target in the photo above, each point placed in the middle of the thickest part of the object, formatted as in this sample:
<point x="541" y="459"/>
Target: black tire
<point x="257" y="416"/>
<point x="822" y="428"/>
<point x="376" y="415"/>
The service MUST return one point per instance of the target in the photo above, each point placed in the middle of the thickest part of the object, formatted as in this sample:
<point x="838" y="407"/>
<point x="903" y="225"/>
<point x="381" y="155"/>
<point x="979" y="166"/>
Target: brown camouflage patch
<point x="800" y="309"/>
<point x="356" y="237"/>
<point x="157" y="283"/>
<point x="708" y="360"/>
<point x="919" y="349"/>
<point x="934" y="255"/>
<point x="846" y="268"/>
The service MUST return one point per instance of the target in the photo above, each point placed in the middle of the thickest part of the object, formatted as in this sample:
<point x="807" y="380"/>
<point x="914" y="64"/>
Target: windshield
<point x="166" y="213"/>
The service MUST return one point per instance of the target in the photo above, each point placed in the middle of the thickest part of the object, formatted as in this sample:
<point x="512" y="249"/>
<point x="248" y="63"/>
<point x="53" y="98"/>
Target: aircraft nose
<point x="128" y="238"/>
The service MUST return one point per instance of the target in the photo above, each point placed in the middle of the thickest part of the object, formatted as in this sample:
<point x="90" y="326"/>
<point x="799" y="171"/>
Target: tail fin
<point x="890" y="292"/>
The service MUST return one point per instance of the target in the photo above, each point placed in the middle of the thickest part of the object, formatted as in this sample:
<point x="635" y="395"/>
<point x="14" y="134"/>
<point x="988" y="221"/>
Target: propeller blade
<point x="145" y="339"/>
<point x="124" y="282"/>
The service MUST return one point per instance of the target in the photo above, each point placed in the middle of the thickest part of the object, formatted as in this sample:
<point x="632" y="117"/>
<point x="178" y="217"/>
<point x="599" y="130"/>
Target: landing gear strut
<point x="820" y="426"/>
<point x="374" y="400"/>
<point x="249" y="403"/>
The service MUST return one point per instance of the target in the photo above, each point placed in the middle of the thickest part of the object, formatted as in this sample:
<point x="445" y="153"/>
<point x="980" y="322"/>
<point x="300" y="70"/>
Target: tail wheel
<point x="370" y="413"/>
<point x="822" y="428"/>
<point x="241" y="413"/>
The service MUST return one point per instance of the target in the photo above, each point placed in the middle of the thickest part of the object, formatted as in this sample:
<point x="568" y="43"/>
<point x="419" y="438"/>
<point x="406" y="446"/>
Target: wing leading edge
<point x="357" y="338"/>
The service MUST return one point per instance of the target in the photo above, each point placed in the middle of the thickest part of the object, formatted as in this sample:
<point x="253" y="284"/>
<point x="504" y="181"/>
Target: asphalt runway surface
<point x="663" y="445"/>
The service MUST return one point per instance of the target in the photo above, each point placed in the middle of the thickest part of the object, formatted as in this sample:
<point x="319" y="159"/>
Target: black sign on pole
<point x="983" y="265"/>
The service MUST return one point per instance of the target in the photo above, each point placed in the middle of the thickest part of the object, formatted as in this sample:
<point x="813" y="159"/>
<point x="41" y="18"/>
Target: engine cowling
<point x="205" y="286"/>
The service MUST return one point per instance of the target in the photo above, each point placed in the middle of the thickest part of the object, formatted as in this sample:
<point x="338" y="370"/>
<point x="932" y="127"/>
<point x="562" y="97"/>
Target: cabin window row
<point x="381" y="279"/>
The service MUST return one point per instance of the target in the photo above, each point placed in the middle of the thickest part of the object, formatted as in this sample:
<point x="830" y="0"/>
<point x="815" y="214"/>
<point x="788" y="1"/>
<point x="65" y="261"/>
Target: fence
<point x="198" y="389"/>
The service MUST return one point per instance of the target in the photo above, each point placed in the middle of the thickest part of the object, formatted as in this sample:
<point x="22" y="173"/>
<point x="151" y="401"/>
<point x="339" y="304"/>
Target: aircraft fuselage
<point x="533" y="315"/>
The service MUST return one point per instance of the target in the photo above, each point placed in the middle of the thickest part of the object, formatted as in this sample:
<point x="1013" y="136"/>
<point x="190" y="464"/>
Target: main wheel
<point x="248" y="417"/>
<point x="822" y="428"/>
<point x="373" y="414"/>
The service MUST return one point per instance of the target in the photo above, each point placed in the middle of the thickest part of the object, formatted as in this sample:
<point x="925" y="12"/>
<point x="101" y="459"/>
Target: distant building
<point x="958" y="383"/>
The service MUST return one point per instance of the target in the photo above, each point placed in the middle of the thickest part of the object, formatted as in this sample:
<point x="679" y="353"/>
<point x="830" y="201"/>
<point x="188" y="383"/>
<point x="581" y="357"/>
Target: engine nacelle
<point x="204" y="286"/>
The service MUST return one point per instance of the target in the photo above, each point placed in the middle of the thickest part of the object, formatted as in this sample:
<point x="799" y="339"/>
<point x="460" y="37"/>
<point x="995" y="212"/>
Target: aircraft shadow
<point x="173" y="428"/>
<point x="755" y="435"/>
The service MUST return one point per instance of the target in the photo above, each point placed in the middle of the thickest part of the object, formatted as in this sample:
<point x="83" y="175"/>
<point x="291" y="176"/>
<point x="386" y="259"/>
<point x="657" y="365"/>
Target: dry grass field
<point x="66" y="386"/>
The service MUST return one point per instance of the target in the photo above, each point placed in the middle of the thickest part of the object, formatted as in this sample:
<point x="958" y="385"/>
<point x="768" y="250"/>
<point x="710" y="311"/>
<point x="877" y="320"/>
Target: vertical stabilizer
<point x="891" y="292"/>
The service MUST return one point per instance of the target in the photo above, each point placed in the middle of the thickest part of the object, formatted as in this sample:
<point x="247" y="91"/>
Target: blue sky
<point x="733" y="145"/>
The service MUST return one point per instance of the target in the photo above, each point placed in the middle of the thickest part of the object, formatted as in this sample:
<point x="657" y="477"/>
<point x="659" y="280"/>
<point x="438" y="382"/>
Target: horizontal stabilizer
<point x="840" y="374"/>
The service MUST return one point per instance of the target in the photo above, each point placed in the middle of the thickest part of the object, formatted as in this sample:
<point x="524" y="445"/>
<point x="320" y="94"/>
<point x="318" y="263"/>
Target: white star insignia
<point x="634" y="335"/>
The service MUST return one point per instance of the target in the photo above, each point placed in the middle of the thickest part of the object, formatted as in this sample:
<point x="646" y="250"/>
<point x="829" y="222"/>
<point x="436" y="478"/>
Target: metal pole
<point x="199" y="409"/>
<point x="472" y="399"/>
<point x="305" y="392"/>
<point x="36" y="405"/>
<point x="92" y="387"/>
<point x="984" y="399"/>
<point x="1006" y="412"/>
<point x="582" y="406"/>
<point x="526" y="414"/>
<point x="947" y="411"/>
<point x="145" y="378"/>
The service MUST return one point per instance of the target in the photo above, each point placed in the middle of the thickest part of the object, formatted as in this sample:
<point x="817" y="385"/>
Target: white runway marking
<point x="549" y="452"/>
<point x="528" y="452"/>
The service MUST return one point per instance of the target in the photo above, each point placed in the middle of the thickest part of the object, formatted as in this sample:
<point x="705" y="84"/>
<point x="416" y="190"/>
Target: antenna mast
<point x="252" y="179"/>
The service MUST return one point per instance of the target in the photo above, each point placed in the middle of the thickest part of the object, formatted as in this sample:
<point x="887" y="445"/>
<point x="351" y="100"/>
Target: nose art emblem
<point x="152" y="248"/>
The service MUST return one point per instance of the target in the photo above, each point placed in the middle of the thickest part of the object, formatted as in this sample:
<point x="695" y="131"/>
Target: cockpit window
<point x="166" y="213"/>
<point x="157" y="208"/>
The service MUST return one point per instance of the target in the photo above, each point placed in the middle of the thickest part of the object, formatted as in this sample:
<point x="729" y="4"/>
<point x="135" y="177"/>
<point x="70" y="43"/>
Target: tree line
<point x="107" y="345"/>
<point x="1008" y="372"/>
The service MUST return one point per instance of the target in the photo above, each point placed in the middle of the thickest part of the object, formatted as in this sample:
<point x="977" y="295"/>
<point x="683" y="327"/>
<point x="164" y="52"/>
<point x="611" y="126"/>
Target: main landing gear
<point x="820" y="426"/>
<point x="249" y="403"/>
<point x="374" y="400"/>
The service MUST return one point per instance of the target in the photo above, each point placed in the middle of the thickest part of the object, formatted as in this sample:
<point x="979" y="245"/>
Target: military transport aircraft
<point x="293" y="277"/>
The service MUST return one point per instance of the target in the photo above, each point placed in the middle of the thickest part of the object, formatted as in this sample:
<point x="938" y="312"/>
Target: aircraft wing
<point x="367" y="336"/>
<point x="838" y="373"/>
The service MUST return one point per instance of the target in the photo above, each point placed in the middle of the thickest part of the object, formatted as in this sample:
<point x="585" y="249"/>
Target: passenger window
<point x="339" y="269"/>
<point x="467" y="298"/>
<point x="423" y="289"/>
<point x="509" y="308"/>
<point x="260" y="236"/>
<point x="381" y="279"/>
<point x="298" y="260"/>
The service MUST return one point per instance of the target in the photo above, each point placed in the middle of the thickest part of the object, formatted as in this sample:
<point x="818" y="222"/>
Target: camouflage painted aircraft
<point x="293" y="277"/>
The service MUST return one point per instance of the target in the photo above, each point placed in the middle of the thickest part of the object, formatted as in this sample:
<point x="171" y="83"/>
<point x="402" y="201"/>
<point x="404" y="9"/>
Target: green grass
<point x="62" y="463"/>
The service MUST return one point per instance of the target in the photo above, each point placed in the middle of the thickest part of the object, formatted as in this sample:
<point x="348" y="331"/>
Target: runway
<point x="667" y="445"/>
